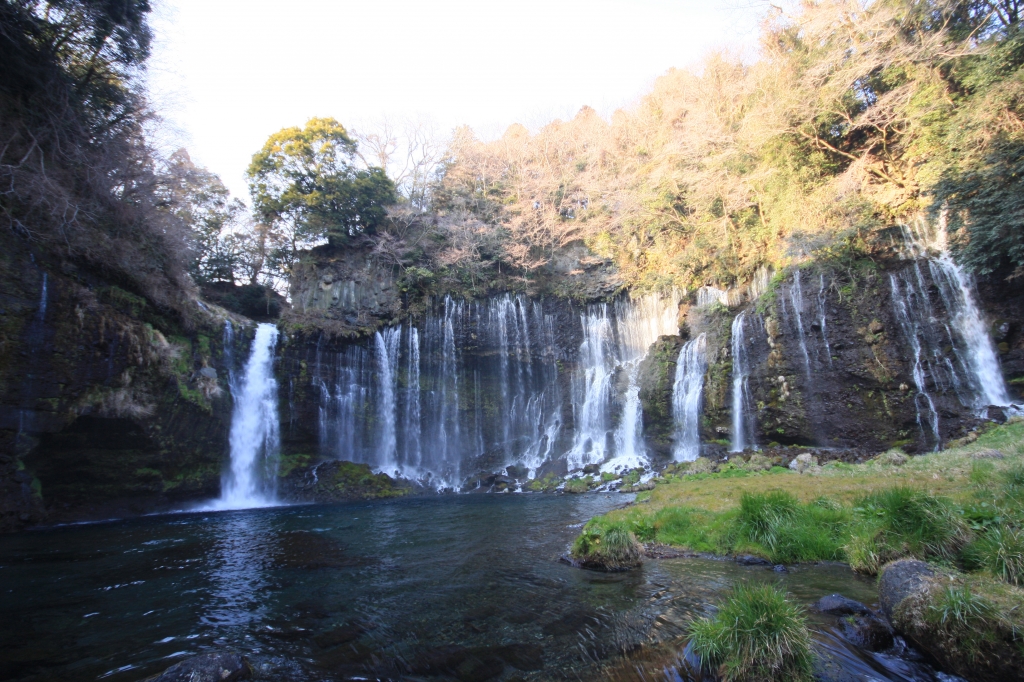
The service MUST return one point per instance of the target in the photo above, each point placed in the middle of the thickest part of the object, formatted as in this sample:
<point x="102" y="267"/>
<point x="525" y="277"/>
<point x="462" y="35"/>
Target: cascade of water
<point x="615" y="343"/>
<point x="686" y="398"/>
<point x="821" y="318"/>
<point x="255" y="431"/>
<point x="796" y="298"/>
<point x="913" y="313"/>
<point x="412" y="426"/>
<point x="972" y="345"/>
<point x="449" y="422"/>
<point x="386" y="346"/>
<point x="742" y="417"/>
<point x="592" y="388"/>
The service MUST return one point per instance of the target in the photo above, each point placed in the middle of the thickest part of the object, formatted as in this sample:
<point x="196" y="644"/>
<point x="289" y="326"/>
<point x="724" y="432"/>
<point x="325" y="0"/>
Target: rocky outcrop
<point x="656" y="378"/>
<point x="107" y="405"/>
<point x="344" y="291"/>
<point x="336" y="481"/>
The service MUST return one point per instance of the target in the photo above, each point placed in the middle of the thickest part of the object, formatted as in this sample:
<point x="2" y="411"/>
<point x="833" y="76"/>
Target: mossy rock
<point x="337" y="481"/>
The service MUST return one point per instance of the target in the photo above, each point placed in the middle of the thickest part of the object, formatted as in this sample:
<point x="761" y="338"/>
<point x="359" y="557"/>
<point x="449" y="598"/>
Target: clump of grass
<point x="577" y="485"/>
<point x="756" y="635"/>
<point x="787" y="531"/>
<point x="1001" y="551"/>
<point x="904" y="521"/>
<point x="612" y="547"/>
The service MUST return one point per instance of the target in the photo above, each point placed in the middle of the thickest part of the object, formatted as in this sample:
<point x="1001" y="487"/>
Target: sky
<point x="225" y="74"/>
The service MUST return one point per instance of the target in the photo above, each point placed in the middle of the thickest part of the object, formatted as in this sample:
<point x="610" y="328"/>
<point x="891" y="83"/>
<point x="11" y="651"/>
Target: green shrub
<point x="756" y="635"/>
<point x="643" y="529"/>
<point x="757" y="463"/>
<point x="577" y="485"/>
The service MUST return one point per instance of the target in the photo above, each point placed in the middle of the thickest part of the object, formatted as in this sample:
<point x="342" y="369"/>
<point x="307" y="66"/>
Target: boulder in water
<point x="219" y="667"/>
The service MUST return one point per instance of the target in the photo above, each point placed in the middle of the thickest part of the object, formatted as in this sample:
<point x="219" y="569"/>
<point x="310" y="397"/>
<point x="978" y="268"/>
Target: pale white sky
<point x="225" y="74"/>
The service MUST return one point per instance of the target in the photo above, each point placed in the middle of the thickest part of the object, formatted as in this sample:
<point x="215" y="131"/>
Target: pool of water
<point x="459" y="587"/>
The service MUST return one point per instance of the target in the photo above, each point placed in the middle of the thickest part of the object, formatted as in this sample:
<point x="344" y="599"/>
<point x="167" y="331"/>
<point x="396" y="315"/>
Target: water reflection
<point x="241" y="552"/>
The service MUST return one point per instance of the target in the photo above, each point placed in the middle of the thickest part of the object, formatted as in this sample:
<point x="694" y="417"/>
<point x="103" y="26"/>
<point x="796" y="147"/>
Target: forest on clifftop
<point x="853" y="117"/>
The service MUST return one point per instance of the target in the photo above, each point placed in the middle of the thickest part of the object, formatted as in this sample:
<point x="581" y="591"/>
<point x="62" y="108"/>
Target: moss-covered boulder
<point x="973" y="625"/>
<point x="300" y="480"/>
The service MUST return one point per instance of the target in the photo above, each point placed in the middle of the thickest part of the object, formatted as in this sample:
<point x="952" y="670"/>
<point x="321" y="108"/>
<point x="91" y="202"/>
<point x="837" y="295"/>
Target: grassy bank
<point x="963" y="506"/>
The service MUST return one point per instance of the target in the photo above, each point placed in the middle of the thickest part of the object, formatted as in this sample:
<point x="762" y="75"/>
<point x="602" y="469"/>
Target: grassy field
<point x="952" y="506"/>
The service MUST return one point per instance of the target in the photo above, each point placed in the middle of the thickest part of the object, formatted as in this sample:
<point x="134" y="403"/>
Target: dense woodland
<point x="854" y="117"/>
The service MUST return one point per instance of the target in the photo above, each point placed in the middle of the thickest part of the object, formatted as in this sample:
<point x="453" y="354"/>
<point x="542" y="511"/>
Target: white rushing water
<point x="615" y="341"/>
<point x="386" y="346"/>
<point x="255" y="428"/>
<point x="972" y="371"/>
<point x="687" y="391"/>
<point x="742" y="427"/>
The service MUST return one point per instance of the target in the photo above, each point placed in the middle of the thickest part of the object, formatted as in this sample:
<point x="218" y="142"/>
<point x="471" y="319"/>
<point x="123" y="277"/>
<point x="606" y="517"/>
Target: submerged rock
<point x="857" y="623"/>
<point x="220" y="667"/>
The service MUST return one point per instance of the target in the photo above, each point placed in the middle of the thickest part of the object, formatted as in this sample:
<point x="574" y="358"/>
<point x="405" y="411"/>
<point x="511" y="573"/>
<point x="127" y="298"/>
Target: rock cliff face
<point x="833" y="356"/>
<point x="344" y="290"/>
<point x="109" y="407"/>
<point x="101" y="412"/>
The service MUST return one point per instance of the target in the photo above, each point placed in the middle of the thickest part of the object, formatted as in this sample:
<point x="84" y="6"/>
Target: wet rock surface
<point x="218" y="667"/>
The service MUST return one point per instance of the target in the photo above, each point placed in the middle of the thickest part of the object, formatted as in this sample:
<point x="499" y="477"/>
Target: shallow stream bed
<point x="445" y="588"/>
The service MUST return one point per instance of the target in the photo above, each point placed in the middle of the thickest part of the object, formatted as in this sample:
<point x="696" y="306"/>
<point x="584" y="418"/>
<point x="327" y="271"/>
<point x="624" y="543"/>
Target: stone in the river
<point x="592" y="469"/>
<point x="517" y="472"/>
<point x="838" y="605"/>
<point x="340" y="635"/>
<point x="899" y="580"/>
<point x="857" y="622"/>
<point x="751" y="560"/>
<point x="522" y="656"/>
<point x="220" y="667"/>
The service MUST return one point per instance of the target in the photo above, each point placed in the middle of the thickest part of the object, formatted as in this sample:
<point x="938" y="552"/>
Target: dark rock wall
<point x="102" y="406"/>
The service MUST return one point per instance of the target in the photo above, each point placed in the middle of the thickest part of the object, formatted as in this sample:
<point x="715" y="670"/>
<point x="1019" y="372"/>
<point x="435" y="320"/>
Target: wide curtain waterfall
<point x="481" y="385"/>
<point x="475" y="384"/>
<point x="970" y="368"/>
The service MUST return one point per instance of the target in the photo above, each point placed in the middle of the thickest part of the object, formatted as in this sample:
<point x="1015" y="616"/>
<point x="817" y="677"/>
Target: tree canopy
<point x="307" y="179"/>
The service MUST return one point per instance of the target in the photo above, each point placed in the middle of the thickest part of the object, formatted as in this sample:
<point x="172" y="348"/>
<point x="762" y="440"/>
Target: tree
<point x="305" y="181"/>
<point x="201" y="201"/>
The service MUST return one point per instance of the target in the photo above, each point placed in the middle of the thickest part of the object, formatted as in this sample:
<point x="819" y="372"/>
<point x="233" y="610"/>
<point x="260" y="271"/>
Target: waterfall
<point x="914" y="315"/>
<point x="821" y="319"/>
<point x="796" y="298"/>
<point x="472" y="387"/>
<point x="255" y="431"/>
<point x="742" y="416"/>
<point x="972" y="345"/>
<point x="615" y="342"/>
<point x="686" y="398"/>
<point x="592" y="388"/>
<point x="411" y="425"/>
<point x="386" y="343"/>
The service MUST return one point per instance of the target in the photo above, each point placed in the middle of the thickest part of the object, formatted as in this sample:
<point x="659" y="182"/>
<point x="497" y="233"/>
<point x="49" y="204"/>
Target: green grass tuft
<point x="756" y="635"/>
<point x="611" y="547"/>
